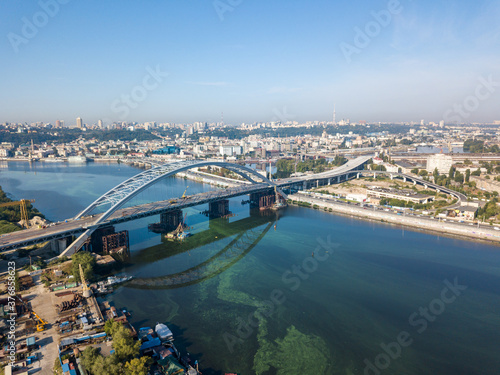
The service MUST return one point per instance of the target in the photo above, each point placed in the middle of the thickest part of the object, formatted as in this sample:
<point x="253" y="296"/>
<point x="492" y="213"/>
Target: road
<point x="411" y="219"/>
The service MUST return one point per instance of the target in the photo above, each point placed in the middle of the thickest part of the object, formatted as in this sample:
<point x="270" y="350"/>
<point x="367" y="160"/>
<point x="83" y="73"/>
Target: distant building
<point x="442" y="162"/>
<point x="404" y="195"/>
<point x="168" y="150"/>
<point x="79" y="122"/>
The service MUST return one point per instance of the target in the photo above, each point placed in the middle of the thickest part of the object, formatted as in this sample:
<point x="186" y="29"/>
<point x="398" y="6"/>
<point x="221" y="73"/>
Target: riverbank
<point x="425" y="223"/>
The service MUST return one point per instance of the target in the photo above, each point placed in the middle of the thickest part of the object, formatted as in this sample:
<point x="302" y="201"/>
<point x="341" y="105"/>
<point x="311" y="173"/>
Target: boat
<point x="163" y="332"/>
<point x="117" y="280"/>
<point x="278" y="206"/>
<point x="77" y="159"/>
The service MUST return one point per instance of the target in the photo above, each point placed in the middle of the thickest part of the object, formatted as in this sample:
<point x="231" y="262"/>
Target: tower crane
<point x="184" y="196"/>
<point x="24" y="210"/>
<point x="85" y="289"/>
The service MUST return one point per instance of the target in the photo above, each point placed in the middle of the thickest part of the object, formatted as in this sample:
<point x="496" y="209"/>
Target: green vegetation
<point x="11" y="215"/>
<point x="123" y="361"/>
<point x="490" y="211"/>
<point x="478" y="146"/>
<point x="7" y="227"/>
<point x="87" y="261"/>
<point x="286" y="167"/>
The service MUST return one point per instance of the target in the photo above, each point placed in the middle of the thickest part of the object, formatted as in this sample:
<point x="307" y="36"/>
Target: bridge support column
<point x="116" y="243"/>
<point x="392" y="177"/>
<point x="426" y="187"/>
<point x="218" y="209"/>
<point x="170" y="220"/>
<point x="374" y="175"/>
<point x="329" y="181"/>
<point x="338" y="180"/>
<point x="317" y="183"/>
<point x="95" y="242"/>
<point x="304" y="186"/>
<point x="414" y="182"/>
<point x="404" y="179"/>
<point x="357" y="175"/>
<point x="58" y="246"/>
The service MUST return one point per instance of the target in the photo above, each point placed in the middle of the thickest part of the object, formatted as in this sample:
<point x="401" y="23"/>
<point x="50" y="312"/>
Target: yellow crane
<point x="40" y="326"/>
<point x="41" y="323"/>
<point x="184" y="196"/>
<point x="24" y="211"/>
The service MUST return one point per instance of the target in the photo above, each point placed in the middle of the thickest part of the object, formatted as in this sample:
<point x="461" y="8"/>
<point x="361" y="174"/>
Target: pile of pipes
<point x="68" y="305"/>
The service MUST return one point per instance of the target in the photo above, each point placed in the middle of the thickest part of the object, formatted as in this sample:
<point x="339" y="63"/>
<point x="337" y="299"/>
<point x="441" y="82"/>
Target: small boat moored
<point x="163" y="332"/>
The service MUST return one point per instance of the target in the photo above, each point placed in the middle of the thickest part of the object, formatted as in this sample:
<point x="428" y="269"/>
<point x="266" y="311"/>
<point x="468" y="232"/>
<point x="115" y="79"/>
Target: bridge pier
<point x="414" y="182"/>
<point x="357" y="175"/>
<point x="404" y="179"/>
<point x="58" y="246"/>
<point x="329" y="181"/>
<point x="218" y="209"/>
<point x="95" y="242"/>
<point x="116" y="243"/>
<point x="392" y="177"/>
<point x="170" y="220"/>
<point x="338" y="179"/>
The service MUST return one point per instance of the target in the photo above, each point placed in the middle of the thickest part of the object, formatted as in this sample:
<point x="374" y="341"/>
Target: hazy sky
<point x="254" y="60"/>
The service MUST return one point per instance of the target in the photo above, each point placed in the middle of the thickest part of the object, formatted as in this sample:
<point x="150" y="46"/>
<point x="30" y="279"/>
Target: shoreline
<point x="448" y="229"/>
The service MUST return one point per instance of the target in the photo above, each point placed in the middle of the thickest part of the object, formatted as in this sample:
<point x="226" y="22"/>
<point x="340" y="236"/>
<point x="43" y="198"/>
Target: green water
<point x="245" y="306"/>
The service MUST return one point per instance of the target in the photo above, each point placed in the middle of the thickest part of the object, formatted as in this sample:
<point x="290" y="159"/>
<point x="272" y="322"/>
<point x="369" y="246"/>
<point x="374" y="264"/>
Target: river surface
<point x="307" y="292"/>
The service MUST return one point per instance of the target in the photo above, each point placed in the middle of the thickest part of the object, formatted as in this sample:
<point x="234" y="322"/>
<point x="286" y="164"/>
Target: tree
<point x="87" y="261"/>
<point x="414" y="171"/>
<point x="89" y="357"/>
<point x="436" y="175"/>
<point x="459" y="177"/>
<point x="477" y="172"/>
<point x="423" y="173"/>
<point x="111" y="327"/>
<point x="137" y="366"/>
<point x="451" y="174"/>
<point x="467" y="175"/>
<point x="124" y="345"/>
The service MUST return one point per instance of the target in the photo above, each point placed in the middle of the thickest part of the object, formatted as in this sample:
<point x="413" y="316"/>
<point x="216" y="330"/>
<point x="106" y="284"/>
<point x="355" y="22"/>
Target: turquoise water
<point x="240" y="303"/>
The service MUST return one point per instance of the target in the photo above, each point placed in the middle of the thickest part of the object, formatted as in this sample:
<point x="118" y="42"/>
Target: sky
<point x="183" y="61"/>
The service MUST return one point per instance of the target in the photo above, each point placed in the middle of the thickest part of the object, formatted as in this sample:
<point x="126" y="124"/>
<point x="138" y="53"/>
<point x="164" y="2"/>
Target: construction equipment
<point x="86" y="292"/>
<point x="40" y="323"/>
<point x="184" y="196"/>
<point x="24" y="211"/>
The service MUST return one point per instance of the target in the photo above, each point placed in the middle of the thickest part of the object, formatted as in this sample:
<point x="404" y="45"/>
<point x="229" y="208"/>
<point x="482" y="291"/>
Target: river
<point x="305" y="292"/>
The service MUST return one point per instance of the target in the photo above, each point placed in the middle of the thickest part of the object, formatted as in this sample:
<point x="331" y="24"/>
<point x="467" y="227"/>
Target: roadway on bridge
<point x="63" y="229"/>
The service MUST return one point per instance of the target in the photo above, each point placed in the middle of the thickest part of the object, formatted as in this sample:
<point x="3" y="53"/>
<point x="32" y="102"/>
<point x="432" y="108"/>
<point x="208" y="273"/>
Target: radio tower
<point x="222" y="118"/>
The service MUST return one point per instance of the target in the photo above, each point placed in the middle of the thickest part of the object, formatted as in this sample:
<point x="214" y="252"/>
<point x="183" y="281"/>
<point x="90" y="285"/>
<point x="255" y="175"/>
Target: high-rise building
<point x="79" y="122"/>
<point x="58" y="124"/>
<point x="99" y="124"/>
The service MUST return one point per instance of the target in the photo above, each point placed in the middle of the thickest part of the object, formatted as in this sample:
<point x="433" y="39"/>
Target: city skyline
<point x="396" y="61"/>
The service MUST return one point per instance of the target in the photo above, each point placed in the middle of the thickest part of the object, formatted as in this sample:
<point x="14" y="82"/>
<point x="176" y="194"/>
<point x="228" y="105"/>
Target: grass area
<point x="8" y="227"/>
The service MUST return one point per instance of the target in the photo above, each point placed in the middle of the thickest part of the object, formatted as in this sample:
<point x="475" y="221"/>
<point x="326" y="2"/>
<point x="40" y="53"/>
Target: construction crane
<point x="41" y="323"/>
<point x="85" y="289"/>
<point x="40" y="326"/>
<point x="184" y="196"/>
<point x="24" y="210"/>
